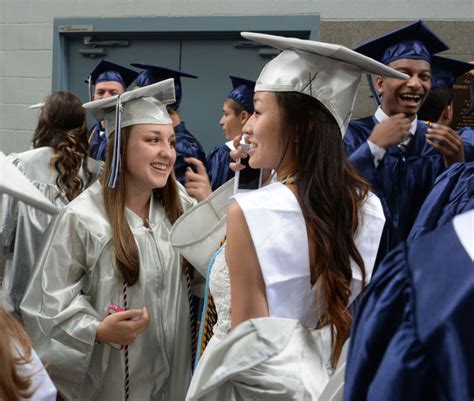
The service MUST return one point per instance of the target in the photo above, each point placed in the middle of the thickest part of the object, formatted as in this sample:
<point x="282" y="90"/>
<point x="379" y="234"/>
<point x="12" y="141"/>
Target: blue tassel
<point x="89" y="87"/>
<point x="112" y="179"/>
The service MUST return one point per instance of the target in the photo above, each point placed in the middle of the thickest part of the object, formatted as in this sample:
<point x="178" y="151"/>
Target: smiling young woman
<point x="300" y="250"/>
<point x="107" y="276"/>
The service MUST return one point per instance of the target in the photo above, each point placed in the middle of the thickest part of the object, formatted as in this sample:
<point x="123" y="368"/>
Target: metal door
<point x="211" y="55"/>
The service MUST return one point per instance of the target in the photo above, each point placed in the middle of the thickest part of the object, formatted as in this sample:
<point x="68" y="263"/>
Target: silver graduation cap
<point x="328" y="72"/>
<point x="39" y="105"/>
<point x="15" y="184"/>
<point x="145" y="105"/>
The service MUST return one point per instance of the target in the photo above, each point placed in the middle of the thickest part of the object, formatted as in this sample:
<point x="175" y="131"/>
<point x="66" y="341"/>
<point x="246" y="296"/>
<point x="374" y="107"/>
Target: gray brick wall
<point x="26" y="32"/>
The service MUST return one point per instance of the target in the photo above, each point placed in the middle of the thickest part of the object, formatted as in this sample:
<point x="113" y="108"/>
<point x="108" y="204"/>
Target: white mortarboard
<point x="145" y="105"/>
<point x="39" y="105"/>
<point x="327" y="72"/>
<point x="15" y="184"/>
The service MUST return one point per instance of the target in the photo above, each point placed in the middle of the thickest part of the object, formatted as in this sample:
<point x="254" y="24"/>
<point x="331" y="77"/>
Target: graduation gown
<point x="186" y="146"/>
<point x="452" y="194"/>
<point x="467" y="135"/>
<point x="402" y="180"/>
<point x="271" y="359"/>
<point x="412" y="337"/>
<point x="22" y="226"/>
<point x="218" y="165"/>
<point x="281" y="357"/>
<point x="73" y="283"/>
<point x="97" y="142"/>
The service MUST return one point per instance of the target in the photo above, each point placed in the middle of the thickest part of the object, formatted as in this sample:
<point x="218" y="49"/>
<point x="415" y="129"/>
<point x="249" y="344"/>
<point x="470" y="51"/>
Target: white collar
<point x="463" y="226"/>
<point x="381" y="116"/>
<point x="230" y="145"/>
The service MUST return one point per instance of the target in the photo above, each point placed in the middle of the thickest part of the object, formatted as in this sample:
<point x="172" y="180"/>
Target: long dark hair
<point x="62" y="125"/>
<point x="126" y="251"/>
<point x="331" y="195"/>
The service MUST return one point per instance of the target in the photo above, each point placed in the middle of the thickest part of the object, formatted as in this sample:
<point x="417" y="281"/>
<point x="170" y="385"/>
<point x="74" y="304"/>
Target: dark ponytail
<point x="62" y="125"/>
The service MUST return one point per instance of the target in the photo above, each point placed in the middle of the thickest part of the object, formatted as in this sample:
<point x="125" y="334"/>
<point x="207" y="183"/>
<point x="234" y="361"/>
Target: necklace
<point x="289" y="179"/>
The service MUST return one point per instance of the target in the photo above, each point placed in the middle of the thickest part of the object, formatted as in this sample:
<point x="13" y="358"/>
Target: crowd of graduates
<point x="135" y="271"/>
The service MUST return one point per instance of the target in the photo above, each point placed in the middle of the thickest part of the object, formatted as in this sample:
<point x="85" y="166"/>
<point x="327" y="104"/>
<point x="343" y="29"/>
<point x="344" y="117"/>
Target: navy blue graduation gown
<point x="402" y="180"/>
<point x="412" y="337"/>
<point x="218" y="166"/>
<point x="467" y="135"/>
<point x="186" y="146"/>
<point x="97" y="142"/>
<point x="452" y="194"/>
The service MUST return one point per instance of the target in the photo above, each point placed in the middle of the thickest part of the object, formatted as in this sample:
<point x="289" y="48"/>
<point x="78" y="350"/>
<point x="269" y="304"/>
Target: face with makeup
<point x="150" y="156"/>
<point x="266" y="135"/>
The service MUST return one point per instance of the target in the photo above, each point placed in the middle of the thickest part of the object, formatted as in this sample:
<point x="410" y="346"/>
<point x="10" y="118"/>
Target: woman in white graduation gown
<point x="59" y="166"/>
<point x="108" y="305"/>
<point x="22" y="375"/>
<point x="298" y="251"/>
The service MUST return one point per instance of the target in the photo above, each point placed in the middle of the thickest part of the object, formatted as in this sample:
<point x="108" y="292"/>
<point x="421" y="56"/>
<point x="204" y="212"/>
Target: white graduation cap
<point x="39" y="105"/>
<point x="145" y="105"/>
<point x="15" y="184"/>
<point x="328" y="72"/>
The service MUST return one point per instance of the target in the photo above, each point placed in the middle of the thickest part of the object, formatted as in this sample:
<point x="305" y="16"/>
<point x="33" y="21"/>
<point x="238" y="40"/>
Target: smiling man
<point x="399" y="155"/>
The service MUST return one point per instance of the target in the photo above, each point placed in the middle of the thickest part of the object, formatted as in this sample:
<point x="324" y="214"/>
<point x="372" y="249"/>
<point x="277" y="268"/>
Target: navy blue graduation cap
<point x="242" y="92"/>
<point x="446" y="70"/>
<point x="154" y="73"/>
<point x="415" y="41"/>
<point x="108" y="71"/>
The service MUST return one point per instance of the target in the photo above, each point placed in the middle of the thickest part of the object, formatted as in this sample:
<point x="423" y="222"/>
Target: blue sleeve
<point x="97" y="143"/>
<point x="363" y="161"/>
<point x="386" y="360"/>
<point x="218" y="166"/>
<point x="187" y="146"/>
<point x="441" y="203"/>
<point x="467" y="135"/>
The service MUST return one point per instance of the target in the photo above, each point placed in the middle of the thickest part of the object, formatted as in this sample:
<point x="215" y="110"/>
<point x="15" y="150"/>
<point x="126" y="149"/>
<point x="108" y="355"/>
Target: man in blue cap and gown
<point x="237" y="109"/>
<point x="411" y="338"/>
<point x="187" y="146"/>
<point x="396" y="153"/>
<point x="453" y="191"/>
<point x="109" y="79"/>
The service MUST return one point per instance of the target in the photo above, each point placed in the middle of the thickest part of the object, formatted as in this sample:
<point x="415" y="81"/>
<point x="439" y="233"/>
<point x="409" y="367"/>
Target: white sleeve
<point x="41" y="383"/>
<point x="377" y="152"/>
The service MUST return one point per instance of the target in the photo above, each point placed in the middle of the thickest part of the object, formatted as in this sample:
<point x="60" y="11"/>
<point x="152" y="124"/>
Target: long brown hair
<point x="331" y="195"/>
<point x="13" y="386"/>
<point x="126" y="252"/>
<point x="62" y="125"/>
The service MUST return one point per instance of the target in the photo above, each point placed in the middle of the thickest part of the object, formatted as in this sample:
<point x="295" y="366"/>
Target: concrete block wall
<point x="26" y="32"/>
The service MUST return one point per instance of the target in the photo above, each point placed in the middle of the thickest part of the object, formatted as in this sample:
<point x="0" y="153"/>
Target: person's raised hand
<point x="447" y="142"/>
<point x="197" y="182"/>
<point x="391" y="131"/>
<point x="237" y="154"/>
